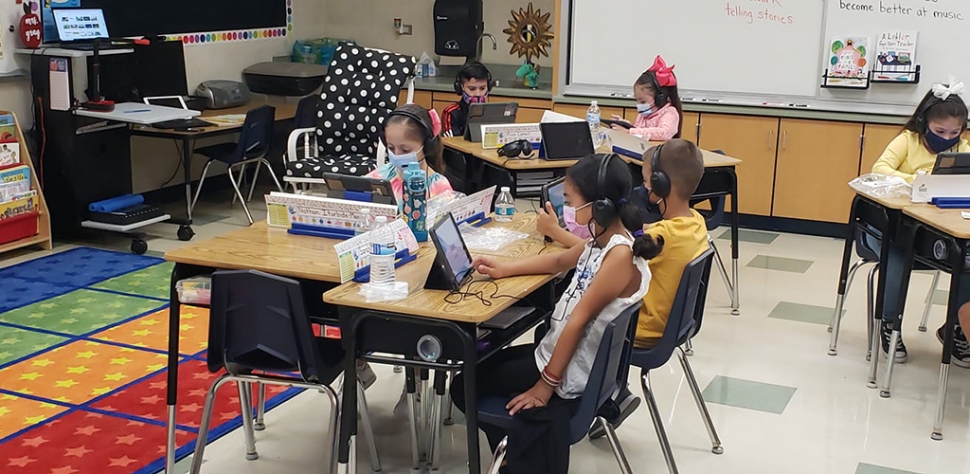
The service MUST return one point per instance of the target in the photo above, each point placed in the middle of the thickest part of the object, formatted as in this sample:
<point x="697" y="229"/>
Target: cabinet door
<point x="753" y="140"/>
<point x="579" y="111"/>
<point x="877" y="137"/>
<point x="816" y="161"/>
<point x="422" y="98"/>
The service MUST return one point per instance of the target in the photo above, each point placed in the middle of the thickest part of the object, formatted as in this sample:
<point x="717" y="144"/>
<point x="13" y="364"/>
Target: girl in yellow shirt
<point x="936" y="127"/>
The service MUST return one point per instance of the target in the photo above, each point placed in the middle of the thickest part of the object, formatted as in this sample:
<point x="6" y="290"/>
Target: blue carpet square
<point x="17" y="292"/>
<point x="78" y="267"/>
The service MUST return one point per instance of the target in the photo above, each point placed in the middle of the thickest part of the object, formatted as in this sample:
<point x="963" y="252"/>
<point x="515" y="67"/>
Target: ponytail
<point x="644" y="246"/>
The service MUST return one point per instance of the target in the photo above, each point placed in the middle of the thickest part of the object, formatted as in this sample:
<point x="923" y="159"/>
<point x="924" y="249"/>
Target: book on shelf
<point x="849" y="62"/>
<point x="896" y="56"/>
<point x="25" y="204"/>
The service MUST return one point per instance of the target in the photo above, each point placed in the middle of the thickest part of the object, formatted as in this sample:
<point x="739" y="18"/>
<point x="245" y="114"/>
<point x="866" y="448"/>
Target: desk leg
<point x="844" y="275"/>
<point x="470" y="370"/>
<point x="348" y="412"/>
<point x="735" y="223"/>
<point x="952" y="307"/>
<point x="173" y="369"/>
<point x="897" y="264"/>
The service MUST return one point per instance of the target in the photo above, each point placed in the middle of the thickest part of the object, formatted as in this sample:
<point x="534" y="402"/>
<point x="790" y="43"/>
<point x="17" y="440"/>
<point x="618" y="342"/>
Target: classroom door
<point x="816" y="161"/>
<point x="753" y="140"/>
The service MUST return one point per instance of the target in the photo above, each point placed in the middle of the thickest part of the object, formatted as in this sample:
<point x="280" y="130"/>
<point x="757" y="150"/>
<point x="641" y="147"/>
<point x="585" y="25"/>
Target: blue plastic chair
<point x="684" y="322"/>
<point x="258" y="323"/>
<point x="613" y="350"/>
<point x="254" y="141"/>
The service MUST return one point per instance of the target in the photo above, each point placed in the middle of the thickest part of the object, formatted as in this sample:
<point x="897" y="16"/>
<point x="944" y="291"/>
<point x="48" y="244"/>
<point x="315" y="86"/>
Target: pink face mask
<point x="569" y="218"/>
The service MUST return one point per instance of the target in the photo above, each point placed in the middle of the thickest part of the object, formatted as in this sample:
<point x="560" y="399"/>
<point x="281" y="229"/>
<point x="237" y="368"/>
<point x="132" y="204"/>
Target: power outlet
<point x="406" y="30"/>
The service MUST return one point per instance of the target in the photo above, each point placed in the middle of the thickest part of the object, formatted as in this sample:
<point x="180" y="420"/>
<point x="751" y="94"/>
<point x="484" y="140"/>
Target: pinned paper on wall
<point x="60" y="83"/>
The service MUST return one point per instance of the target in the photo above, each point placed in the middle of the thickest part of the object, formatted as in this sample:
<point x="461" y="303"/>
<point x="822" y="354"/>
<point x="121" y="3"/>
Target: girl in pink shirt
<point x="658" y="104"/>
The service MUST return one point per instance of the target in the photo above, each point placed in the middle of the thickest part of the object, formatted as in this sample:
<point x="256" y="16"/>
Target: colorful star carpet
<point x="83" y="344"/>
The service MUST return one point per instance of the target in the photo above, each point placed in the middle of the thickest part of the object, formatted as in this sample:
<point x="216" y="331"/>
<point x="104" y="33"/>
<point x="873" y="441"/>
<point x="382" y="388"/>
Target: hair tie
<point x="435" y="122"/>
<point x="638" y="233"/>
<point x="623" y="201"/>
<point x="665" y="75"/>
<point x="943" y="92"/>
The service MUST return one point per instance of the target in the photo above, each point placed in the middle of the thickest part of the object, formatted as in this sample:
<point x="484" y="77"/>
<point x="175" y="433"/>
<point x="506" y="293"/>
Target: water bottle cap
<point x="380" y="219"/>
<point x="365" y="210"/>
<point x="505" y="189"/>
<point x="593" y="103"/>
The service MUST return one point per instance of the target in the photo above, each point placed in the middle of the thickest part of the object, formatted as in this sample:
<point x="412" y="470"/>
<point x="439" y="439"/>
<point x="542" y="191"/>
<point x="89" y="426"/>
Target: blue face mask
<point x="400" y="161"/>
<point x="645" y="109"/>
<point x="939" y="144"/>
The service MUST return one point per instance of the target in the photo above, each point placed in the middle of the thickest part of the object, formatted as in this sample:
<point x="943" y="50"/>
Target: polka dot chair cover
<point x="361" y="89"/>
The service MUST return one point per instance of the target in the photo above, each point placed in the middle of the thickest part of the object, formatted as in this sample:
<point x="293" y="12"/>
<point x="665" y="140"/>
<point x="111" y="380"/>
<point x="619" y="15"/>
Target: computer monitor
<point x="80" y="24"/>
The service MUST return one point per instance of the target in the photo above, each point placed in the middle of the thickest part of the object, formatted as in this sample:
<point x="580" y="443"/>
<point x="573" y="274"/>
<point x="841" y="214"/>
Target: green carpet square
<point x="153" y="281"/>
<point x="16" y="343"/>
<point x="80" y="312"/>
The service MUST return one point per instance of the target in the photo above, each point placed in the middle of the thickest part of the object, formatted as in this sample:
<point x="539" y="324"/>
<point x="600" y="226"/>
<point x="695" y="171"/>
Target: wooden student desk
<point x="284" y="111"/>
<point x="397" y="327"/>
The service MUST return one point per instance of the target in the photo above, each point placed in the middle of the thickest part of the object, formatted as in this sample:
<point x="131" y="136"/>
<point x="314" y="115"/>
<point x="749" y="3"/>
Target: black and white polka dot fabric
<point x="361" y="89"/>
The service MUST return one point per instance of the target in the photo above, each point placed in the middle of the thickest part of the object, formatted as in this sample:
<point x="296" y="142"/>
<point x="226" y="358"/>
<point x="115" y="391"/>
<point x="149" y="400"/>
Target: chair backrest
<point x="715" y="183"/>
<point x="871" y="223"/>
<point x="361" y="88"/>
<point x="602" y="382"/>
<point x="256" y="134"/>
<point x="258" y="321"/>
<point x="306" y="112"/>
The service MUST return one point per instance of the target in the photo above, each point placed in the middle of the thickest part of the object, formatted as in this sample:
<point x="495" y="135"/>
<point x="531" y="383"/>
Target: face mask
<point x="645" y="109"/>
<point x="400" y="161"/>
<point x="470" y="99"/>
<point x="569" y="218"/>
<point x="939" y="144"/>
<point x="644" y="194"/>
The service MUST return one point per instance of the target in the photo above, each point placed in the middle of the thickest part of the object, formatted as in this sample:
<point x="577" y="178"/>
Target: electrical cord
<point x="178" y="165"/>
<point x="458" y="296"/>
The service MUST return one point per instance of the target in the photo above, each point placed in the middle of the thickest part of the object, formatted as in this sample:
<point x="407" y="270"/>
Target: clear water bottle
<point x="593" y="119"/>
<point x="505" y="206"/>
<point x="365" y="221"/>
<point x="382" y="252"/>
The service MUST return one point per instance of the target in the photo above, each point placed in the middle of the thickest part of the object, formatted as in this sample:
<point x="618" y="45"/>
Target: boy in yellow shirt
<point x="671" y="174"/>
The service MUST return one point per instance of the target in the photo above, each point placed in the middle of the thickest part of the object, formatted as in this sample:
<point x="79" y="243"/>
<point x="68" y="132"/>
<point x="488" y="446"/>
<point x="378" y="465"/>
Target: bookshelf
<point x="40" y="216"/>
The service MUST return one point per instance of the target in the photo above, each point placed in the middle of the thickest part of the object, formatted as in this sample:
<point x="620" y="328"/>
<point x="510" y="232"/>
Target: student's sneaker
<point x="900" y="354"/>
<point x="623" y="410"/>
<point x="961" y="348"/>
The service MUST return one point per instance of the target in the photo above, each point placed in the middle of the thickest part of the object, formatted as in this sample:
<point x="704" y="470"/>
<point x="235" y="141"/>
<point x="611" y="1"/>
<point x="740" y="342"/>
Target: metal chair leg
<point x="929" y="301"/>
<point x="890" y="364"/>
<point x="210" y="401"/>
<point x="724" y="276"/>
<point x="239" y="182"/>
<point x="279" y="187"/>
<point x="334" y="426"/>
<point x="837" y="313"/>
<point x="198" y="190"/>
<point x="716" y="447"/>
<point x="247" y="417"/>
<point x="235" y="186"/>
<point x="260" y="424"/>
<point x="252" y="186"/>
<point x="413" y="422"/>
<point x="449" y="409"/>
<point x="657" y="422"/>
<point x="375" y="460"/>
<point x="615" y="445"/>
<point x="689" y="348"/>
<point x="498" y="457"/>
<point x="871" y="311"/>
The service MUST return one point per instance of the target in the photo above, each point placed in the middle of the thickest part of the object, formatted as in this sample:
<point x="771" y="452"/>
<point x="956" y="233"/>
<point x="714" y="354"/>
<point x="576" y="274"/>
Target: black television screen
<point x="169" y="17"/>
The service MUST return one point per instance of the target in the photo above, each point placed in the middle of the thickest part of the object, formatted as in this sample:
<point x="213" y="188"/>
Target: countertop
<point x="506" y="83"/>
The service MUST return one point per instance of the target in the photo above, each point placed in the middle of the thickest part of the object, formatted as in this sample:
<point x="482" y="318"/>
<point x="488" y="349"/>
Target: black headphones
<point x="660" y="98"/>
<point x="604" y="210"/>
<point x="430" y="139"/>
<point x="464" y="70"/>
<point x="516" y="149"/>
<point x="659" y="181"/>
<point x="921" y="113"/>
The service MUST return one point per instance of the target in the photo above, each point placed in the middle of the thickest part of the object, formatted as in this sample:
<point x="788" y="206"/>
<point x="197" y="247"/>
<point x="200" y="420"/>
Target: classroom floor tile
<point x="782" y="264"/>
<point x="16" y="343"/>
<point x="750" y="236"/>
<point x="80" y="311"/>
<point x="873" y="469"/>
<point x="151" y="331"/>
<point x="153" y="281"/>
<point x="732" y="392"/>
<point x="805" y="313"/>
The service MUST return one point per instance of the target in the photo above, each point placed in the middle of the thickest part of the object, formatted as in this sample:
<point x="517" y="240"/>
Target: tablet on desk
<point x="342" y="186"/>
<point x="488" y="114"/>
<point x="552" y="192"/>
<point x="952" y="163"/>
<point x="452" y="266"/>
<point x="622" y="123"/>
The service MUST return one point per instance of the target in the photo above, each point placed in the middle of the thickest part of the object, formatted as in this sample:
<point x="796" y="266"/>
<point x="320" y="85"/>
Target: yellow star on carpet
<point x="114" y="304"/>
<point x="100" y="391"/>
<point x="37" y="315"/>
<point x="23" y="390"/>
<point x="65" y="383"/>
<point x="186" y="327"/>
<point x="33" y="420"/>
<point x="31" y="376"/>
<point x="120" y="361"/>
<point x="5" y="355"/>
<point x="10" y="341"/>
<point x="141" y="333"/>
<point x="149" y="322"/>
<point x="48" y="405"/>
<point x="47" y="305"/>
<point x="68" y="321"/>
<point x="134" y="283"/>
<point x="62" y="399"/>
<point x="79" y="369"/>
<point x="115" y="377"/>
<point x="79" y="310"/>
<point x="154" y="367"/>
<point x="86" y="354"/>
<point x="4" y="411"/>
<point x="7" y="397"/>
<point x="86" y="299"/>
<point x="110" y="316"/>
<point x="42" y="362"/>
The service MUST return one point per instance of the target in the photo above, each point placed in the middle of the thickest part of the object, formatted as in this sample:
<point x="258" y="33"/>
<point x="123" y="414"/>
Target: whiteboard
<point x="721" y="52"/>
<point x="714" y="44"/>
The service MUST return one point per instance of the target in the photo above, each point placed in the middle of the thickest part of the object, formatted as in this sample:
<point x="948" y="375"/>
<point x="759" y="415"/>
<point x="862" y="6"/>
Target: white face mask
<point x="645" y="109"/>
<point x="400" y="161"/>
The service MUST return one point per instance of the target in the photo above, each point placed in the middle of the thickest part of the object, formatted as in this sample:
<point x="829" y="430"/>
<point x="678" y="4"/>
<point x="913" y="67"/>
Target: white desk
<point x="136" y="112"/>
<point x="70" y="53"/>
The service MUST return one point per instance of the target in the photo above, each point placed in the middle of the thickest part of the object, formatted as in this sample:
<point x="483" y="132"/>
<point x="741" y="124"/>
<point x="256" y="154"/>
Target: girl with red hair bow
<point x="659" y="111"/>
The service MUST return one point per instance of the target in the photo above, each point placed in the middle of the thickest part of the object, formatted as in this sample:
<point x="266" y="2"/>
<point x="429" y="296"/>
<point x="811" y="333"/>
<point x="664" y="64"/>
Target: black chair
<point x="254" y="141"/>
<point x="685" y="319"/>
<point x="304" y="127"/>
<point x="614" y="349"/>
<point x="260" y="333"/>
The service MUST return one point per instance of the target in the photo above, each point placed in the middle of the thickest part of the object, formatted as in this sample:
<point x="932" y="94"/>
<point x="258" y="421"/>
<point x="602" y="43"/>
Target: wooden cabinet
<point x="874" y="143"/>
<point x="816" y="160"/>
<point x="753" y="140"/>
<point x="422" y="98"/>
<point x="580" y="110"/>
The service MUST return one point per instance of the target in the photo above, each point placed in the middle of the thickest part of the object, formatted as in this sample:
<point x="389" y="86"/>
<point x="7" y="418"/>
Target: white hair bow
<point x="944" y="91"/>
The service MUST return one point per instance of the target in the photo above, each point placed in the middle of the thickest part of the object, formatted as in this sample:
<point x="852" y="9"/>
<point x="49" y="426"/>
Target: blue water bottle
<point x="415" y="200"/>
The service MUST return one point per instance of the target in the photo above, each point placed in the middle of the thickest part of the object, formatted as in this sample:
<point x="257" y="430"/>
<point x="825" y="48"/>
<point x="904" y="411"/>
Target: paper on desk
<point x="60" y="85"/>
<point x="226" y="120"/>
<point x="354" y="253"/>
<point x="965" y="214"/>
<point x="556" y="117"/>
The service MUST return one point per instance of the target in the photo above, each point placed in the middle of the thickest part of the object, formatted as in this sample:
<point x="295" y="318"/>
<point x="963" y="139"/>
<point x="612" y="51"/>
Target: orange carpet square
<point x="17" y="413"/>
<point x="79" y="371"/>
<point x="151" y="331"/>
